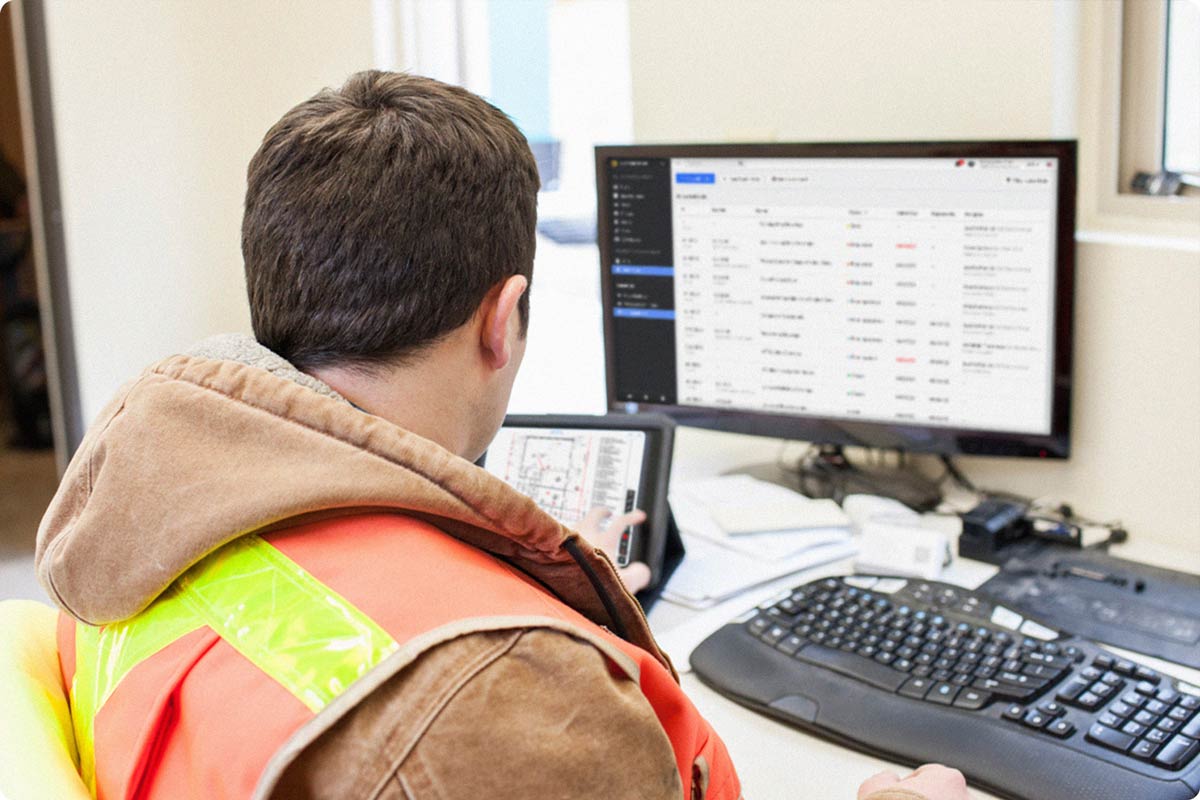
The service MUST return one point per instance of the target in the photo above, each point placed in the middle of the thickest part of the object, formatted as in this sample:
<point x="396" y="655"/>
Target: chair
<point x="38" y="759"/>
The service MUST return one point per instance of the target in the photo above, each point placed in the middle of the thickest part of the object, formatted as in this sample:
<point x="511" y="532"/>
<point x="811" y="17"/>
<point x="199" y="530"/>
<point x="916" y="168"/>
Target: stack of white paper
<point x="741" y="532"/>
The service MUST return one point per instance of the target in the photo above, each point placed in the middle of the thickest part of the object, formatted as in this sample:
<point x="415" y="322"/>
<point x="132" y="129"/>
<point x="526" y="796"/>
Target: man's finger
<point x="622" y="521"/>
<point x="636" y="576"/>
<point x="594" y="520"/>
<point x="876" y="782"/>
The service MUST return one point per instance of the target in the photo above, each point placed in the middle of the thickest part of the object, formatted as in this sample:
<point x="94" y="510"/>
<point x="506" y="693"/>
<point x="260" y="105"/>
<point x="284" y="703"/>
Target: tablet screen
<point x="569" y="471"/>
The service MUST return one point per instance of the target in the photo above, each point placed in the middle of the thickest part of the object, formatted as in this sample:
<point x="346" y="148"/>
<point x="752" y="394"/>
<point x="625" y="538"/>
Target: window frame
<point x="1121" y="126"/>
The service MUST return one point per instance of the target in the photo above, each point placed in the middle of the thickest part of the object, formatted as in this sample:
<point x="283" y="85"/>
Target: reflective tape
<point x="287" y="623"/>
<point x="103" y="656"/>
<point x="301" y="633"/>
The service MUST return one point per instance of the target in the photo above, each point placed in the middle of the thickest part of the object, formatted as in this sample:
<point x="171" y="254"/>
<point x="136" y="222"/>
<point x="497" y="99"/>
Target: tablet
<point x="571" y="464"/>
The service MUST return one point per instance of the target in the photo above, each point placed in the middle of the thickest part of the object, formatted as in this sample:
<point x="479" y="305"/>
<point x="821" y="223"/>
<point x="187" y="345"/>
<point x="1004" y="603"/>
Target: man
<point x="307" y="589"/>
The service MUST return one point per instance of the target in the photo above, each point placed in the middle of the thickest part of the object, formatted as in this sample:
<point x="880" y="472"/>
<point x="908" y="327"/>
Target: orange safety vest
<point x="192" y="697"/>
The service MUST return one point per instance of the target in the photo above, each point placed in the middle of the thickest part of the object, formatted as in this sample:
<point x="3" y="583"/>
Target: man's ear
<point x="500" y="319"/>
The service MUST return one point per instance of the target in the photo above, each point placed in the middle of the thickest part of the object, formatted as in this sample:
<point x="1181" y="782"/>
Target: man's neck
<point x="424" y="397"/>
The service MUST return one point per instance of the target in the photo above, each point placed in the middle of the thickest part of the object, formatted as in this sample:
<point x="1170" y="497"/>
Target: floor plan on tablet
<point x="569" y="472"/>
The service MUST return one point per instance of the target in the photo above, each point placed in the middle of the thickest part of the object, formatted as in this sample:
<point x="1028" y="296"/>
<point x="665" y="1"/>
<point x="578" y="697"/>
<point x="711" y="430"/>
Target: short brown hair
<point x="378" y="216"/>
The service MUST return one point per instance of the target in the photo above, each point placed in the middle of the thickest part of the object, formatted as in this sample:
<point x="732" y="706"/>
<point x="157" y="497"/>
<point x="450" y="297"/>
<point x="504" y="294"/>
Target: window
<point x="1181" y="118"/>
<point x="559" y="68"/>
<point x="1137" y="113"/>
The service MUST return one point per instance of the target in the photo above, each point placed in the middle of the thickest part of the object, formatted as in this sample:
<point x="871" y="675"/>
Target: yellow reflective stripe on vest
<point x="103" y="656"/>
<point x="301" y="633"/>
<point x="287" y="623"/>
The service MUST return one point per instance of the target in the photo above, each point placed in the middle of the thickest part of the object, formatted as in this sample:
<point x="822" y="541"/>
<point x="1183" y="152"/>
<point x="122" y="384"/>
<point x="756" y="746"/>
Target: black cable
<point x="959" y="478"/>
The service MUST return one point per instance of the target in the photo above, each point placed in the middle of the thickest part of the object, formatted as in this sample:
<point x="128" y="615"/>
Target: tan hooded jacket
<point x="204" y="448"/>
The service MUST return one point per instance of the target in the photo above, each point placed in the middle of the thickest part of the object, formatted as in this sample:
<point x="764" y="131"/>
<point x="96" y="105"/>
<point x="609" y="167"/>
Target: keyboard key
<point x="1110" y="720"/>
<point x="1177" y="752"/>
<point x="1052" y="709"/>
<point x="1144" y="749"/>
<point x="1014" y="711"/>
<point x="774" y="633"/>
<point x="1035" y="719"/>
<point x="1190" y="701"/>
<point x="1061" y="728"/>
<point x="1133" y="699"/>
<point x="1192" y="729"/>
<point x="1072" y="689"/>
<point x="1167" y="724"/>
<point x="1125" y="667"/>
<point x="1144" y="717"/>
<point x="1004" y="690"/>
<point x="1146" y="674"/>
<point x="1088" y="700"/>
<point x="1109" y="738"/>
<point x="1157" y="736"/>
<point x="790" y="644"/>
<point x="972" y="699"/>
<point x="1133" y="729"/>
<point x="1166" y="695"/>
<point x="916" y="688"/>
<point x="1179" y="714"/>
<point x="942" y="693"/>
<point x="1120" y="709"/>
<point x="1146" y="687"/>
<point x="1104" y="661"/>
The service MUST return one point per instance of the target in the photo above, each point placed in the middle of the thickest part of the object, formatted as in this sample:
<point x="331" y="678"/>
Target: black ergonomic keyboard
<point x="921" y="671"/>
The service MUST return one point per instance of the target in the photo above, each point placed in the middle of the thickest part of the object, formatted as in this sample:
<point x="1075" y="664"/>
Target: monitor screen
<point x="913" y="296"/>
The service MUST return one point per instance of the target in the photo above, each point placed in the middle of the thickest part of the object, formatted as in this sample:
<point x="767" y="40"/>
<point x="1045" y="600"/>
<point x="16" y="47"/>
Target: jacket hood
<point x="201" y="450"/>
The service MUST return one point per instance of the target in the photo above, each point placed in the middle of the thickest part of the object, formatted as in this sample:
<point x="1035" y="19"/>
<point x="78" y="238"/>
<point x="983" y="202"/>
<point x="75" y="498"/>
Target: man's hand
<point x="604" y="530"/>
<point x="931" y="780"/>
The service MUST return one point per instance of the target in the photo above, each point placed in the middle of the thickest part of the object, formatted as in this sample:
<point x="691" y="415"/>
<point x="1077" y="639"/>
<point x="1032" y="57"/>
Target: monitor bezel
<point x="863" y="433"/>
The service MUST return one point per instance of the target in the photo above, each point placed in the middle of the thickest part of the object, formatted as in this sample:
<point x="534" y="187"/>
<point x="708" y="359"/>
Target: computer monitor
<point x="909" y="296"/>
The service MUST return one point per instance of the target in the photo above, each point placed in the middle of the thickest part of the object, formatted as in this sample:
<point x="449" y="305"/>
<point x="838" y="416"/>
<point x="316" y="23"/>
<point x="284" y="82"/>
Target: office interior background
<point x="135" y="121"/>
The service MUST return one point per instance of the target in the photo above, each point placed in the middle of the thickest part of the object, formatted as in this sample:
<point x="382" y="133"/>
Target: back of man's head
<point x="378" y="216"/>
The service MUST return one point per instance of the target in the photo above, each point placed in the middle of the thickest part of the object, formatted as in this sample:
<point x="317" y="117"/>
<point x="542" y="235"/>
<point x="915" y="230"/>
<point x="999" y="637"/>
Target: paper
<point x="740" y="504"/>
<point x="720" y="564"/>
<point x="711" y="573"/>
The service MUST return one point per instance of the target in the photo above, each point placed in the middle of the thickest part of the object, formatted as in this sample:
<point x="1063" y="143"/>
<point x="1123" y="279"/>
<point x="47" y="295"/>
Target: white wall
<point x="943" y="69"/>
<point x="158" y="108"/>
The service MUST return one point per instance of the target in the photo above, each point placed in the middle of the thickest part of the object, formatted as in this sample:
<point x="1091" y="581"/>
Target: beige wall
<point x="158" y="108"/>
<point x="913" y="69"/>
<point x="160" y="105"/>
<point x="714" y="70"/>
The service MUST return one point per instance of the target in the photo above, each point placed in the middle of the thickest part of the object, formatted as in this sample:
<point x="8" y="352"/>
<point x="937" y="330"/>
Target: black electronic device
<point x="920" y="671"/>
<point x="1124" y="603"/>
<point x="990" y="527"/>
<point x="910" y="296"/>
<point x="570" y="464"/>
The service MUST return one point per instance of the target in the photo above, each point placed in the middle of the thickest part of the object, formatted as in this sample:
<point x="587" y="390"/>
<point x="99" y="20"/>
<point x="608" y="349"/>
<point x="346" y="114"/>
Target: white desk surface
<point x="774" y="761"/>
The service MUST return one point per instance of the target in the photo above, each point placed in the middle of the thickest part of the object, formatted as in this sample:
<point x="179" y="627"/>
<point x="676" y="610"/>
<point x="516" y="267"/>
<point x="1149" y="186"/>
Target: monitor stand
<point x="827" y="472"/>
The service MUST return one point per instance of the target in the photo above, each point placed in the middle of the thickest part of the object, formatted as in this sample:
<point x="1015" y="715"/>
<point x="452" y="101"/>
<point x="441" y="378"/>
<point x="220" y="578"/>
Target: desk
<point x="777" y="762"/>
